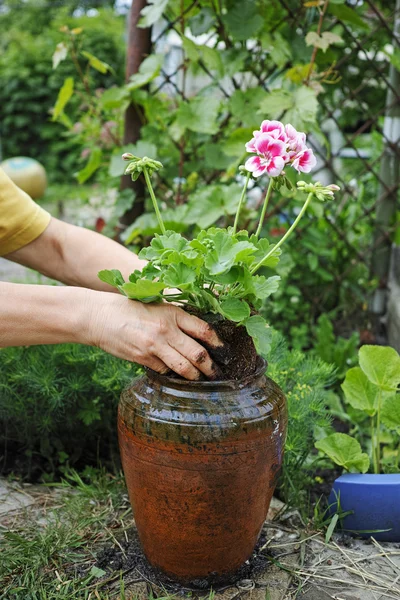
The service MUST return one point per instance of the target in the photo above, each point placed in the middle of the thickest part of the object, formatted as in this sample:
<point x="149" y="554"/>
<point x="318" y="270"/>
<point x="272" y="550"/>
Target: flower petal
<point x="275" y="166"/>
<point x="253" y="163"/>
<point x="267" y="145"/>
<point x="304" y="161"/>
<point x="250" y="147"/>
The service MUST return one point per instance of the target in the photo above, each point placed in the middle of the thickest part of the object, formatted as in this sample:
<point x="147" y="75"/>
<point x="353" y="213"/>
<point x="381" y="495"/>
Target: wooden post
<point x="389" y="175"/>
<point x="139" y="46"/>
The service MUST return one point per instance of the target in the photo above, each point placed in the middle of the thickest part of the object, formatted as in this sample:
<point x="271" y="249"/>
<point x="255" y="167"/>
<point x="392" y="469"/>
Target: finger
<point x="198" y="329"/>
<point x="179" y="364"/>
<point x="196" y="354"/>
<point x="157" y="365"/>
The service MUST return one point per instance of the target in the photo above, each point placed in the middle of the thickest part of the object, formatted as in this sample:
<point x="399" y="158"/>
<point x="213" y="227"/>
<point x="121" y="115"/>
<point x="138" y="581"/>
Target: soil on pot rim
<point x="237" y="358"/>
<point x="128" y="556"/>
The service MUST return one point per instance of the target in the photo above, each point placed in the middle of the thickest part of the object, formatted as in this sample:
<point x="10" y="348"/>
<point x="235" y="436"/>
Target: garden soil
<point x="237" y="358"/>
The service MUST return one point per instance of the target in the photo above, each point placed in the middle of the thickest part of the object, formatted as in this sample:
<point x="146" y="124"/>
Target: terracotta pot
<point x="201" y="462"/>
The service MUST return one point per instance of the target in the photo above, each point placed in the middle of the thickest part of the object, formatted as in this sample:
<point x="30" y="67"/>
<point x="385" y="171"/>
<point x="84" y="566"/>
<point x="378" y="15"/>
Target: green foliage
<point x="370" y="389"/>
<point x="333" y="349"/>
<point x="58" y="404"/>
<point x="213" y="273"/>
<point x="305" y="379"/>
<point x="29" y="85"/>
<point x="345" y="452"/>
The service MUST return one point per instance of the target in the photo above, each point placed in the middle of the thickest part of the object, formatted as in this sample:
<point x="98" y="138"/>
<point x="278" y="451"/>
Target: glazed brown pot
<point x="201" y="460"/>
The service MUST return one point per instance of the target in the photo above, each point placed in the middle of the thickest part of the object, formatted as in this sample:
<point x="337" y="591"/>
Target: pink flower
<point x="274" y="128"/>
<point x="304" y="161"/>
<point x="295" y="140"/>
<point x="271" y="156"/>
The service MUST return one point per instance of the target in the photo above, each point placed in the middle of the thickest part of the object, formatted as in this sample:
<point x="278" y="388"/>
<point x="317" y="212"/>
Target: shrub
<point x="58" y="406"/>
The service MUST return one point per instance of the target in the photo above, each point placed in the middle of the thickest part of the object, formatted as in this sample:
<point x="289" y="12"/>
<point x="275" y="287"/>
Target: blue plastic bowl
<point x="375" y="504"/>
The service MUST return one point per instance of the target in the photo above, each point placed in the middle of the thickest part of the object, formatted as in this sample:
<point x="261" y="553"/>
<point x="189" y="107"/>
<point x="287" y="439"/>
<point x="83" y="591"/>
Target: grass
<point x="49" y="552"/>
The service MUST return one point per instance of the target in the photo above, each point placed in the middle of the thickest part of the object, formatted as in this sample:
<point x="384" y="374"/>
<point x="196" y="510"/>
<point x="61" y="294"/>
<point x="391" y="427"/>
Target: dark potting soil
<point x="237" y="358"/>
<point x="132" y="559"/>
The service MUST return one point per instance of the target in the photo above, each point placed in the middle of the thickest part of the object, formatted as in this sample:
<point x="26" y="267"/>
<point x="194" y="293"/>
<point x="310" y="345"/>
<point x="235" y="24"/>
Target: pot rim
<point x="369" y="478"/>
<point x="166" y="380"/>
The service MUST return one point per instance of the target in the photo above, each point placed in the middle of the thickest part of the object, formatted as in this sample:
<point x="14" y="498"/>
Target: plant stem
<point x="373" y="442"/>
<point x="153" y="198"/>
<point x="246" y="183"/>
<point x="315" y="49"/>
<point x="282" y="240"/>
<point x="264" y="208"/>
<point x="378" y="433"/>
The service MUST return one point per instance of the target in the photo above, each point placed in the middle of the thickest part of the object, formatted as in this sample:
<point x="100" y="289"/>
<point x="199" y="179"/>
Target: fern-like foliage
<point x="58" y="405"/>
<point x="305" y="380"/>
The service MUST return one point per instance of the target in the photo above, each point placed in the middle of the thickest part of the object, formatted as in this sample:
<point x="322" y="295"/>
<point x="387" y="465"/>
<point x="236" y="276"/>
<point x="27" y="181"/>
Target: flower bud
<point x="333" y="187"/>
<point x="127" y="156"/>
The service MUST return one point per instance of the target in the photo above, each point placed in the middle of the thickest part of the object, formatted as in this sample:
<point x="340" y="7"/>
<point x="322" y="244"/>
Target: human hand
<point x="158" y="336"/>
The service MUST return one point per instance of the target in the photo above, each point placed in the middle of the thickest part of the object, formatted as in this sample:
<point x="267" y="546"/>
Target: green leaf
<point x="152" y="12"/>
<point x="114" y="97"/>
<point x="191" y="49"/>
<point x="360" y="392"/>
<point x="244" y="105"/>
<point x="202" y="22"/>
<point x="276" y="102"/>
<point x="299" y="107"/>
<point x="179" y="276"/>
<point x="257" y="328"/>
<point x="264" y="287"/>
<point x="210" y="203"/>
<point x="199" y="115"/>
<point x="381" y="364"/>
<point x="235" y="309"/>
<point x="345" y="451"/>
<point x="212" y="60"/>
<point x="263" y="247"/>
<point x="323" y="41"/>
<point x="331" y="528"/>
<point x="243" y="21"/>
<point x="390" y="413"/>
<point x="143" y="290"/>
<point x="96" y="572"/>
<point x="226" y="252"/>
<point x="96" y="63"/>
<point x="91" y="166"/>
<point x="64" y="95"/>
<point x="149" y="69"/>
<point x="111" y="276"/>
<point x="234" y="144"/>
<point x="395" y="61"/>
<point x="345" y="13"/>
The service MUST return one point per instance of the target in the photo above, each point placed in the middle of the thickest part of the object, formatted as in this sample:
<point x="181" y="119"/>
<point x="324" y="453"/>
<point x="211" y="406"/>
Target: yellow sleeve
<point x="21" y="219"/>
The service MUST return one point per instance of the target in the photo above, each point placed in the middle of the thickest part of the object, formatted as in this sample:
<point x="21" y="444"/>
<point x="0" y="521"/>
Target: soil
<point x="237" y="358"/>
<point x="128" y="556"/>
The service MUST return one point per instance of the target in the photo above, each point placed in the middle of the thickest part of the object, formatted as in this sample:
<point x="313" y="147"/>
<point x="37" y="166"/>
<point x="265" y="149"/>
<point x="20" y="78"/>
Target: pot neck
<point x="229" y="384"/>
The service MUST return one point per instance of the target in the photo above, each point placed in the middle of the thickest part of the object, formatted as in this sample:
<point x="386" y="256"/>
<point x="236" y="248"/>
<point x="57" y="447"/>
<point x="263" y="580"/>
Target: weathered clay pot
<point x="201" y="462"/>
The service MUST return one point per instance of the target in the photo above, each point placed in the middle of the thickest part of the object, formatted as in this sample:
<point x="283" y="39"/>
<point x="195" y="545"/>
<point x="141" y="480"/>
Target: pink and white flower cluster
<point x="276" y="146"/>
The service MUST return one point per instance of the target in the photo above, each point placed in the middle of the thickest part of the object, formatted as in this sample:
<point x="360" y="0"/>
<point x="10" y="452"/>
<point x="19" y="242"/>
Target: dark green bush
<point x="58" y="406"/>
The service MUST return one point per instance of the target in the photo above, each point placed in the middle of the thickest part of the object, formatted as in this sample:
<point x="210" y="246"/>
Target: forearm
<point x="40" y="314"/>
<point x="74" y="255"/>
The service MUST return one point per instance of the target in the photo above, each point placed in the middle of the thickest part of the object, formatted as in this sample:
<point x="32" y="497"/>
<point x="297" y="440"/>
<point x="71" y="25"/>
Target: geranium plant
<point x="217" y="272"/>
